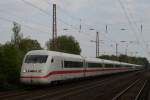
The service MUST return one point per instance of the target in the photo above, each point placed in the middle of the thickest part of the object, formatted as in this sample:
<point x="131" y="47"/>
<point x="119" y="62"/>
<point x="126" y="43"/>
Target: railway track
<point x="97" y="92"/>
<point x="56" y="91"/>
<point x="63" y="91"/>
<point x="133" y="91"/>
<point x="65" y="94"/>
<point x="145" y="93"/>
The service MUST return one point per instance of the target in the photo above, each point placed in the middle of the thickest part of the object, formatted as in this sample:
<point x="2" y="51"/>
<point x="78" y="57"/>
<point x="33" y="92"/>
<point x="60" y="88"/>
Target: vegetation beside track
<point x="128" y="59"/>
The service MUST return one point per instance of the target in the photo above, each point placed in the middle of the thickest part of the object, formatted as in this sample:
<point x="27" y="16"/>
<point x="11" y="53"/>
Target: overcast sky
<point x="35" y="17"/>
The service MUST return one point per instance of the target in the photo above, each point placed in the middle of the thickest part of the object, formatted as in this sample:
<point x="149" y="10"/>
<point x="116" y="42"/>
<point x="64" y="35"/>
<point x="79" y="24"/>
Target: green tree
<point x="66" y="44"/>
<point x="10" y="62"/>
<point x="11" y="56"/>
<point x="128" y="59"/>
<point x="26" y="45"/>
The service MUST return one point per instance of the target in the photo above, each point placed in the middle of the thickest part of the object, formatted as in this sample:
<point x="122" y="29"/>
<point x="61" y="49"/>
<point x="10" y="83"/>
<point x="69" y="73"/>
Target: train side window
<point x="108" y="65"/>
<point x="117" y="66"/>
<point x="52" y="60"/>
<point x="73" y="64"/>
<point x="95" y="65"/>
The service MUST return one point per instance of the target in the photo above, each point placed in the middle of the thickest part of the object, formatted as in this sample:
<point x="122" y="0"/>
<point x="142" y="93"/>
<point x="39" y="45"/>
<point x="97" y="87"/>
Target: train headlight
<point x="24" y="71"/>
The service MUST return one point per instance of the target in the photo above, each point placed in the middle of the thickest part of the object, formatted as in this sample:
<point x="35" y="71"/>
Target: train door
<point x="84" y="68"/>
<point x="31" y="67"/>
<point x="62" y="68"/>
<point x="57" y="66"/>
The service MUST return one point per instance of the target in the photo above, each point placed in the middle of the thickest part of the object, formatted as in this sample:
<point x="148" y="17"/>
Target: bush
<point x="10" y="64"/>
<point x="11" y="60"/>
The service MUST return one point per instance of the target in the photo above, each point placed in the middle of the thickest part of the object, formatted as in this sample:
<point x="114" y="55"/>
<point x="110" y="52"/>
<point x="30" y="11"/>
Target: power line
<point x="45" y="12"/>
<point x="34" y="6"/>
<point x="72" y="17"/>
<point x="27" y="26"/>
<point x="28" y="3"/>
<point x="136" y="25"/>
<point x="11" y="14"/>
<point x="64" y="11"/>
<point x="129" y="17"/>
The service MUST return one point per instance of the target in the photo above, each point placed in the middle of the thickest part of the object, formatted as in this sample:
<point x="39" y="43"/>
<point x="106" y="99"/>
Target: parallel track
<point x="77" y="91"/>
<point x="59" y="92"/>
<point x="132" y="92"/>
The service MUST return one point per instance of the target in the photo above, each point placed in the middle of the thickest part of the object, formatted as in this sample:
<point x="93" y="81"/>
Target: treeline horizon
<point x="127" y="59"/>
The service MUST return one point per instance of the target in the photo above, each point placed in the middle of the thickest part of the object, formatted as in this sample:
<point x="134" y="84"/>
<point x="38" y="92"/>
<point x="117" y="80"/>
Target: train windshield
<point x="36" y="58"/>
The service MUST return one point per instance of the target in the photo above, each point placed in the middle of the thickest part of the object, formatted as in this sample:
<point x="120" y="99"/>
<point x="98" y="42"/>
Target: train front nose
<point x="34" y="77"/>
<point x="34" y="74"/>
<point x="34" y="69"/>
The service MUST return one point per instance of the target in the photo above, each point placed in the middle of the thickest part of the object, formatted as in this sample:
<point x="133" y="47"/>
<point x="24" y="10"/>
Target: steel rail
<point x="79" y="90"/>
<point x="70" y="89"/>
<point x="125" y="90"/>
<point x="54" y="90"/>
<point x="140" y="92"/>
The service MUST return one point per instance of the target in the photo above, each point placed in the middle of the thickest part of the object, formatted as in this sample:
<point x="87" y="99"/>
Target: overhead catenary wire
<point x="128" y="19"/>
<point x="62" y="10"/>
<point x="45" y="12"/>
<point x="20" y="18"/>
<point x="48" y="15"/>
<point x="69" y="15"/>
<point x="77" y="19"/>
<point x="135" y="32"/>
<point x="64" y="21"/>
<point x="40" y="9"/>
<point x="34" y="6"/>
<point x="139" y="30"/>
<point x="132" y="24"/>
<point x="76" y="28"/>
<point x="27" y="26"/>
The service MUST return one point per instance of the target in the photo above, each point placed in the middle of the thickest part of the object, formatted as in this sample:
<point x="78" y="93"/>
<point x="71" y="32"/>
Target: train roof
<point x="67" y="55"/>
<point x="53" y="53"/>
<point x="98" y="60"/>
<point x="102" y="61"/>
<point x="94" y="60"/>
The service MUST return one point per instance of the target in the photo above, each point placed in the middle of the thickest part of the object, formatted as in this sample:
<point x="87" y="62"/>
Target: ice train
<point x="44" y="67"/>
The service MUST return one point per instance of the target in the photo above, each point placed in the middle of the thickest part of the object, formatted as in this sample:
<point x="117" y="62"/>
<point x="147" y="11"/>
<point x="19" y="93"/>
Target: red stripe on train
<point x="68" y="72"/>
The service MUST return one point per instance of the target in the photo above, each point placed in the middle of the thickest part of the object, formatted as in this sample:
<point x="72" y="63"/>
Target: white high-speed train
<point x="44" y="67"/>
